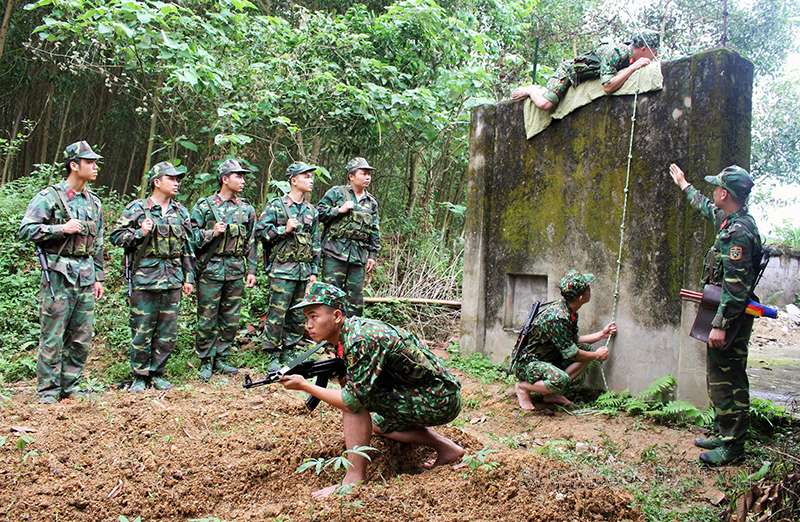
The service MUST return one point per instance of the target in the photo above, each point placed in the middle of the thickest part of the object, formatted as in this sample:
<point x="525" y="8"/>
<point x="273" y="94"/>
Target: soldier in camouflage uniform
<point x="352" y="235"/>
<point x="394" y="386"/>
<point x="289" y="231"/>
<point x="554" y="354"/>
<point x="223" y="226"/>
<point x="156" y="233"/>
<point x="65" y="221"/>
<point x="611" y="62"/>
<point x="732" y="263"/>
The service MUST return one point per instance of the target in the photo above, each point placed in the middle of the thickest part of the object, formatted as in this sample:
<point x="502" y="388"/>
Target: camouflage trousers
<point x="554" y="378"/>
<point x="410" y="408"/>
<point x="728" y="386"/>
<point x="570" y="73"/>
<point x="219" y="304"/>
<point x="350" y="278"/>
<point x="67" y="325"/>
<point x="285" y="327"/>
<point x="154" y="329"/>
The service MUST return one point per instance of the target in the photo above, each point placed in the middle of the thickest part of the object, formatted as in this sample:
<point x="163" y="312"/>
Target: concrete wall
<point x="781" y="280"/>
<point x="539" y="207"/>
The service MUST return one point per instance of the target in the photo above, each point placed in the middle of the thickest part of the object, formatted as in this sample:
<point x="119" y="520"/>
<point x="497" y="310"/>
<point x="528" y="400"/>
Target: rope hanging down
<point x="609" y="340"/>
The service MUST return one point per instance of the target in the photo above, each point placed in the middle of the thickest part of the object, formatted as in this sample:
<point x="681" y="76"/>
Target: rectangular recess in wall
<point x="522" y="290"/>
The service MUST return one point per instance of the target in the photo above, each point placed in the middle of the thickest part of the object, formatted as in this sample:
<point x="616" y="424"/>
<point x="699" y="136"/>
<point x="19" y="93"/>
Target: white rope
<point x="609" y="340"/>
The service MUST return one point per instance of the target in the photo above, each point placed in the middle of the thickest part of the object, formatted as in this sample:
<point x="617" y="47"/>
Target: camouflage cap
<point x="80" y="150"/>
<point x="164" y="168"/>
<point x="298" y="167"/>
<point x="323" y="294"/>
<point x="231" y="166"/>
<point x="735" y="180"/>
<point x="357" y="163"/>
<point x="645" y="38"/>
<point x="574" y="284"/>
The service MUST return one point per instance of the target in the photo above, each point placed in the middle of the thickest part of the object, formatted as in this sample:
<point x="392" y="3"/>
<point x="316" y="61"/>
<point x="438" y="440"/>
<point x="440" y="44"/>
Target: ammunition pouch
<point x="354" y="226"/>
<point x="80" y="244"/>
<point x="297" y="248"/>
<point x="233" y="242"/>
<point x="167" y="240"/>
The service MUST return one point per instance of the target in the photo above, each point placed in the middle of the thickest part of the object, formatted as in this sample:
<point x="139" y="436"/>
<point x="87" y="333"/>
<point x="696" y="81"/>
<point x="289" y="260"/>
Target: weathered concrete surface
<point x="539" y="207"/>
<point x="780" y="283"/>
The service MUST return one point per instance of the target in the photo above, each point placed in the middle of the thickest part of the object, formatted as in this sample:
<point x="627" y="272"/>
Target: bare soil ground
<point x="216" y="450"/>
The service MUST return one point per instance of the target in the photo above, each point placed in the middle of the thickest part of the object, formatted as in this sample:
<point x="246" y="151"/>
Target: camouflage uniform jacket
<point x="356" y="252"/>
<point x="155" y="273"/>
<point x="271" y="228"/>
<point x="232" y="211"/>
<point x="43" y="224"/>
<point x="733" y="259"/>
<point x="603" y="62"/>
<point x="553" y="337"/>
<point x="379" y="356"/>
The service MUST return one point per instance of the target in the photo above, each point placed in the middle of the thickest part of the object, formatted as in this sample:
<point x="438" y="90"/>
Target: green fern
<point x="680" y="412"/>
<point x="636" y="406"/>
<point x="659" y="390"/>
<point x="612" y="400"/>
<point x="706" y="420"/>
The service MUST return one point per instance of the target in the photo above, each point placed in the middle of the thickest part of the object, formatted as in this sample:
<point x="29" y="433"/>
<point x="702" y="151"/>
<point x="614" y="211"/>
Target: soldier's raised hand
<point x="346" y="207"/>
<point x="188" y="288"/>
<point x="73" y="226"/>
<point x="601" y="353"/>
<point x="219" y="228"/>
<point x="677" y="176"/>
<point x="641" y="62"/>
<point x="147" y="226"/>
<point x="291" y="224"/>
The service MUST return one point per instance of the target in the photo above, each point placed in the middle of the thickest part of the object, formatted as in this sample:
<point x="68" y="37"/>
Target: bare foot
<point x="523" y="398"/>
<point x="447" y="454"/>
<point x="557" y="399"/>
<point x="326" y="492"/>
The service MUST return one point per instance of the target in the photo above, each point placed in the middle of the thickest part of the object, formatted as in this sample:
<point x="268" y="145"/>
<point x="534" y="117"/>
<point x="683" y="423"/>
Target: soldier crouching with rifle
<point x="551" y="354"/>
<point x="394" y="386"/>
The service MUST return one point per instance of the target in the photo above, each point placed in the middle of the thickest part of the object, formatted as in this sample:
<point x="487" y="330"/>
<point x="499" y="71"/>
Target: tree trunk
<point x="63" y="129"/>
<point x="301" y="148"/>
<point x="411" y="181"/>
<point x="151" y="138"/>
<point x="266" y="179"/>
<point x="10" y="154"/>
<point x="316" y="146"/>
<point x="130" y="169"/>
<point x="48" y="118"/>
<point x="724" y="40"/>
<point x="4" y="26"/>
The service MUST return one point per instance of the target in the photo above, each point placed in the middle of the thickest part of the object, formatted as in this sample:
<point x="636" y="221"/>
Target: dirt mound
<point x="217" y="450"/>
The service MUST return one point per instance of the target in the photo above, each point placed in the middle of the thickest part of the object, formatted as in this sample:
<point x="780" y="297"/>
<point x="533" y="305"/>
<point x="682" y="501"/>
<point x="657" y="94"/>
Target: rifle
<point x="45" y="270"/>
<point x="527" y="326"/>
<point x="322" y="370"/>
<point x="129" y="271"/>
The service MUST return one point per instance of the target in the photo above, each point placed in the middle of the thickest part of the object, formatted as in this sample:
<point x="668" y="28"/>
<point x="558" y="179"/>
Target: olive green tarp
<point x="645" y="79"/>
